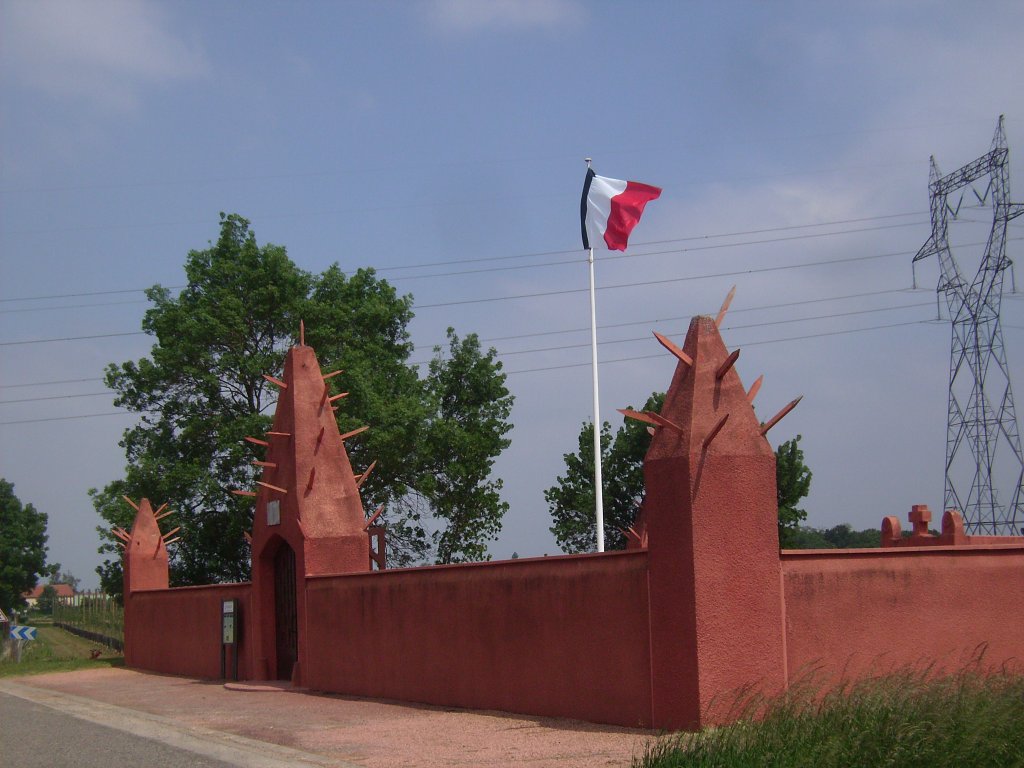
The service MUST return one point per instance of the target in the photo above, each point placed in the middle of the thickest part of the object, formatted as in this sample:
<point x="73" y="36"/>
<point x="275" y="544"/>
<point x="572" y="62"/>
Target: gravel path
<point x="348" y="730"/>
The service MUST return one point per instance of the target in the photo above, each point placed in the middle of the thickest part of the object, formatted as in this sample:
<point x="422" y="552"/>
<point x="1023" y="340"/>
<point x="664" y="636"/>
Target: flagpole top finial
<point x="587" y="159"/>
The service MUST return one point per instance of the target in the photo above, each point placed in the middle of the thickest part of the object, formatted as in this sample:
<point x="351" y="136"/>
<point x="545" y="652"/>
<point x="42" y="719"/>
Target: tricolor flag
<point x="610" y="208"/>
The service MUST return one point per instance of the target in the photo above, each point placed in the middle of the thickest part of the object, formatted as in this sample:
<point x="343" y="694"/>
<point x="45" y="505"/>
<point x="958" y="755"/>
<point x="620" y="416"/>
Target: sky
<point x="442" y="142"/>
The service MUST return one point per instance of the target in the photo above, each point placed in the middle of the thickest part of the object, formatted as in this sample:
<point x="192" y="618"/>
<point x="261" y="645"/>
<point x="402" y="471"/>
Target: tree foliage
<point x="22" y="547"/>
<point x="469" y="407"/>
<point x="571" y="499"/>
<point x="793" y="483"/>
<point x="201" y="391"/>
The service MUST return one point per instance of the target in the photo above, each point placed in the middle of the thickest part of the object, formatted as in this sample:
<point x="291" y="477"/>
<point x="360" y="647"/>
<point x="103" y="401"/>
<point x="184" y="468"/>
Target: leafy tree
<point x="59" y="576"/>
<point x="46" y="599"/>
<point x="793" y="483"/>
<point x="843" y="536"/>
<point x="571" y="499"/>
<point x="202" y="391"/>
<point x="470" y="406"/>
<point x="22" y="547"/>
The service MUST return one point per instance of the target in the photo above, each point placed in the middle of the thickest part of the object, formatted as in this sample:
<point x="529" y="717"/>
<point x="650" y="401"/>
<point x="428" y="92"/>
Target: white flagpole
<point x="598" y="483"/>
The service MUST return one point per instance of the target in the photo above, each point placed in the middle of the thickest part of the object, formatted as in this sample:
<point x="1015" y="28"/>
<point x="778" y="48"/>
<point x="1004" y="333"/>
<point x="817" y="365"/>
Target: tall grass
<point x="907" y="719"/>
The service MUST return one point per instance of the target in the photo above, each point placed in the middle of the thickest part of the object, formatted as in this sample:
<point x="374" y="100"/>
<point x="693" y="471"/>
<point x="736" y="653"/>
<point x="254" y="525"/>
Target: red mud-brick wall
<point x="853" y="613"/>
<point x="178" y="631"/>
<point x="559" y="636"/>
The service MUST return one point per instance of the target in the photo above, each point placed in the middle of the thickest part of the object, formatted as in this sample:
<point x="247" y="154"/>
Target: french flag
<point x="610" y="208"/>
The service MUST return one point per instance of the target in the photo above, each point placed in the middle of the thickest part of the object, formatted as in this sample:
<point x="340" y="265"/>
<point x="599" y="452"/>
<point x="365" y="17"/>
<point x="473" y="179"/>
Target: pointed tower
<point x="710" y="514"/>
<point x="309" y="517"/>
<point x="145" y="565"/>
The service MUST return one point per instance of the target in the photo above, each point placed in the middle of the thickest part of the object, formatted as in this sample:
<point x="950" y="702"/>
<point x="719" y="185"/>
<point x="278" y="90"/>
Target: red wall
<point x="558" y="636"/>
<point x="857" y="612"/>
<point x="178" y="631"/>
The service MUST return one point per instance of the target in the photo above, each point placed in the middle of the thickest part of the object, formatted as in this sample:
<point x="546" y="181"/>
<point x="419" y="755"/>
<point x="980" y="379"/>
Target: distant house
<point x="60" y="590"/>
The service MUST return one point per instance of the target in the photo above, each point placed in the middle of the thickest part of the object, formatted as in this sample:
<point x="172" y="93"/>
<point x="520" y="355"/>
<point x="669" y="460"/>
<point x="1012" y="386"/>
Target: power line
<point x="108" y="393"/>
<point x="71" y="338"/>
<point x="537" y="254"/>
<point x="547" y="368"/>
<point x="67" y="418"/>
<point x="748" y="344"/>
<point x="47" y="383"/>
<point x="734" y="311"/>
<point x="728" y="328"/>
<point x="733" y="273"/>
<point x="542" y="294"/>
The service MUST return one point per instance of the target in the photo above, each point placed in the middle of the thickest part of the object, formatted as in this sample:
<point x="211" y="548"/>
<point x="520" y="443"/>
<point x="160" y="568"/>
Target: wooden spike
<point x="170" y="533"/>
<point x="725" y="307"/>
<point x="362" y="478"/>
<point x="160" y="509"/>
<point x="121" y="535"/>
<point x="663" y="422"/>
<point x="245" y="493"/>
<point x="165" y="514"/>
<point x="683" y="357"/>
<point x="376" y="514"/>
<point x="714" y="432"/>
<point x="122" y="546"/>
<point x="268" y="464"/>
<point x="312" y="477"/>
<point x="755" y="388"/>
<point x="278" y="382"/>
<point x="638" y="415"/>
<point x="779" y="416"/>
<point x="272" y="487"/>
<point x="302" y="334"/>
<point x="156" y="549"/>
<point x="353" y="433"/>
<point x="280" y="434"/>
<point x="248" y="537"/>
<point x="257" y="441"/>
<point x="337" y="397"/>
<point x="332" y="374"/>
<point x="134" y="505"/>
<point x="728" y="363"/>
<point x="171" y="541"/>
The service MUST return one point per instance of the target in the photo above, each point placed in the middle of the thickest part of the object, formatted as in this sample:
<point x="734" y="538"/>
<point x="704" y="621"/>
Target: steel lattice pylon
<point x="981" y="415"/>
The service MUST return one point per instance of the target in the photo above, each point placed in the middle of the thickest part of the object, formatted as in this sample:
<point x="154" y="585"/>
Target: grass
<point x="55" y="650"/>
<point x="909" y="719"/>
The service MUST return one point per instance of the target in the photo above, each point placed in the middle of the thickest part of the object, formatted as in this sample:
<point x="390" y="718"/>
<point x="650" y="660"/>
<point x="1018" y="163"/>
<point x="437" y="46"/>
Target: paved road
<point x="41" y="729"/>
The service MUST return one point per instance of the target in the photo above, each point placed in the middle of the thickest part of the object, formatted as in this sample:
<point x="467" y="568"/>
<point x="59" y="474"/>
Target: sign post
<point x="229" y="626"/>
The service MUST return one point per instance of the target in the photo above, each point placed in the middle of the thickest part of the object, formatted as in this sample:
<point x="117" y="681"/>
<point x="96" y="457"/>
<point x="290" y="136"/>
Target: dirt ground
<point x="365" y="732"/>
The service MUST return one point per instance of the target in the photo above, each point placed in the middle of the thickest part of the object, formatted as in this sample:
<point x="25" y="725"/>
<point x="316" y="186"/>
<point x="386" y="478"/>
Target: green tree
<point x="202" y="391"/>
<point x="46" y="598"/>
<point x="793" y="483"/>
<point x="59" y="576"/>
<point x="469" y="406"/>
<point x="22" y="547"/>
<point x="571" y="499"/>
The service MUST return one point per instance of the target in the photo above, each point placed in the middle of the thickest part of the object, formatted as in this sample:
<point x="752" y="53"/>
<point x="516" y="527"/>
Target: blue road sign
<point x="22" y="633"/>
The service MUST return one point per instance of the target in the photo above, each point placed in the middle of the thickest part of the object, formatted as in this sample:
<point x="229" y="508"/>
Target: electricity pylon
<point x="981" y="415"/>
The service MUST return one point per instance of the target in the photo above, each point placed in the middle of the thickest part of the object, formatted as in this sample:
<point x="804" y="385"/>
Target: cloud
<point x="466" y="16"/>
<point x="102" y="52"/>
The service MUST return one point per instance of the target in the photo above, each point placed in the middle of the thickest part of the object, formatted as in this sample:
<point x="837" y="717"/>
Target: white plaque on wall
<point x="274" y="512"/>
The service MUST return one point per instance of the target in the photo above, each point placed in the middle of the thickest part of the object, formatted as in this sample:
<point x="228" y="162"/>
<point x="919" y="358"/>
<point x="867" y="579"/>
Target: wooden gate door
<point x="285" y="613"/>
